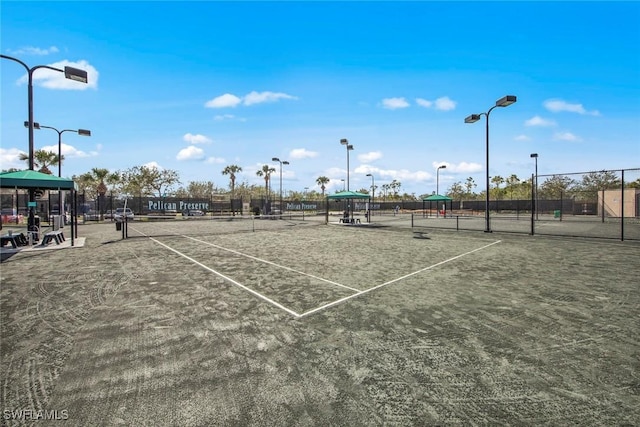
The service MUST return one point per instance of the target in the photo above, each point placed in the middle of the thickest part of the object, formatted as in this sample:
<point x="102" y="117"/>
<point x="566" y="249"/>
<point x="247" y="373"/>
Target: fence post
<point x="534" y="208"/>
<point x="622" y="209"/>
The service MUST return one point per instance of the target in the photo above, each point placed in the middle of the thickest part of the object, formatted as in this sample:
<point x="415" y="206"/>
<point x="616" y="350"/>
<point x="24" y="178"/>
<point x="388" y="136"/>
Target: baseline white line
<point x="259" y="295"/>
<point x="275" y="265"/>
<point x="331" y="304"/>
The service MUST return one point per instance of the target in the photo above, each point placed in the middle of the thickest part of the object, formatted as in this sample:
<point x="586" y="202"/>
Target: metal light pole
<point x="344" y="142"/>
<point x="349" y="147"/>
<point x="438" y="186"/>
<point x="82" y="132"/>
<point x="282" y="162"/>
<point x="535" y="191"/>
<point x="343" y="187"/>
<point x="373" y="192"/>
<point x="502" y="102"/>
<point x="70" y="73"/>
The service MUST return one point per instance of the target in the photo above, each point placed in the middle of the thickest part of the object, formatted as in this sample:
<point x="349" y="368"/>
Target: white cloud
<point x="215" y="160"/>
<point x="302" y="153"/>
<point x="190" y="153"/>
<point x="522" y="138"/>
<point x="445" y="104"/>
<point x="153" y="165"/>
<point x="539" y="121"/>
<point x="462" y="167"/>
<point x="56" y="80"/>
<point x="229" y="100"/>
<point x="224" y="117"/>
<point x="565" y="136"/>
<point x="558" y="105"/>
<point x="196" y="139"/>
<point x="394" y="103"/>
<point x="30" y="50"/>
<point x="10" y="158"/>
<point x="223" y="101"/>
<point x="370" y="156"/>
<point x="424" y="103"/>
<point x="261" y="97"/>
<point x="69" y="151"/>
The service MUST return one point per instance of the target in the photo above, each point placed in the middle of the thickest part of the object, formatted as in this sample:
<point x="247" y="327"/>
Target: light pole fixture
<point x="69" y="73"/>
<point x="282" y="162"/>
<point x="81" y="132"/>
<point x="344" y="142"/>
<point x="343" y="185"/>
<point x="535" y="188"/>
<point x="505" y="101"/>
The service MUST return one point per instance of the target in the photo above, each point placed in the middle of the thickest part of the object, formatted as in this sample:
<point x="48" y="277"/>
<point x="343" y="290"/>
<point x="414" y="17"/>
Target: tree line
<point x="145" y="181"/>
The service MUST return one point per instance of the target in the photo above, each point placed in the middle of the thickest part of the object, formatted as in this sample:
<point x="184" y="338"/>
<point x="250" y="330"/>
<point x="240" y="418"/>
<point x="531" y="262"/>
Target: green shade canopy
<point x="348" y="195"/>
<point x="34" y="179"/>
<point x="437" y="198"/>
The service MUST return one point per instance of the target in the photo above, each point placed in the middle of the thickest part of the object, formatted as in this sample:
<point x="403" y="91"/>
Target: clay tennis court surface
<point x="310" y="324"/>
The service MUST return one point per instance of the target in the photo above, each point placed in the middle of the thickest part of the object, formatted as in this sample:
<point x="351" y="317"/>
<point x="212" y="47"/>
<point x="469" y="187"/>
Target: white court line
<point x="331" y="304"/>
<point x="259" y="295"/>
<point x="275" y="265"/>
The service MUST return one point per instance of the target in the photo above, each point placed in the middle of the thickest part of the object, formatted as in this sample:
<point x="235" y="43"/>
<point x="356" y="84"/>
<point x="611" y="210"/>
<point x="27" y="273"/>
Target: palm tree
<point x="322" y="181"/>
<point x="232" y="170"/>
<point x="266" y="172"/>
<point x="42" y="159"/>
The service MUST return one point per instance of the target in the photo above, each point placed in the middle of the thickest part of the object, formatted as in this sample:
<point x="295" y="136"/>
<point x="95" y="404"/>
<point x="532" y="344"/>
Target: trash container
<point x="34" y="229"/>
<point x="118" y="226"/>
<point x="556" y="214"/>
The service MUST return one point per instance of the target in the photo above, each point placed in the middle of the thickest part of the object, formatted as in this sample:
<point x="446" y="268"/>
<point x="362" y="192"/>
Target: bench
<point x="15" y="240"/>
<point x="350" y="220"/>
<point x="54" y="235"/>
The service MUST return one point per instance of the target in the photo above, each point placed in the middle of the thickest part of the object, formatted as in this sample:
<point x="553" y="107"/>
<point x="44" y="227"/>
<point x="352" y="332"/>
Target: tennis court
<point x="293" y="322"/>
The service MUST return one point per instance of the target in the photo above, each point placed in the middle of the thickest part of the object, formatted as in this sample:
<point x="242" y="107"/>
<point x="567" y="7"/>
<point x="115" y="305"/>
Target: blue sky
<point x="197" y="86"/>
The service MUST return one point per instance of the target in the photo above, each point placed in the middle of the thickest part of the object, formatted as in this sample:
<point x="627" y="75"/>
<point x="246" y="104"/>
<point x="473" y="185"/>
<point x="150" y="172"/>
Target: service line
<point x="275" y="265"/>
<point x="259" y="295"/>
<point x="331" y="304"/>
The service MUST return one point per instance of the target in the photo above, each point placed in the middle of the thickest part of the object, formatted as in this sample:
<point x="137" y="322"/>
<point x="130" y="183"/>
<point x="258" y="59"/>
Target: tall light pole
<point x="373" y="192"/>
<point x="438" y="178"/>
<point x="344" y="142"/>
<point x="343" y="187"/>
<point x="282" y="162"/>
<point x="438" y="186"/>
<point x="505" y="101"/>
<point x="535" y="190"/>
<point x="70" y="73"/>
<point x="82" y="132"/>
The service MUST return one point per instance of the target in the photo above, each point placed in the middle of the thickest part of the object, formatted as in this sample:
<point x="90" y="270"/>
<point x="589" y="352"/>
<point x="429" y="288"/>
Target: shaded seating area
<point x="31" y="180"/>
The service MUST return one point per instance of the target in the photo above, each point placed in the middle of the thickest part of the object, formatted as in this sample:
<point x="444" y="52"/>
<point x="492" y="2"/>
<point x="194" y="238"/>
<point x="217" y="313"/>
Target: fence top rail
<point x="584" y="173"/>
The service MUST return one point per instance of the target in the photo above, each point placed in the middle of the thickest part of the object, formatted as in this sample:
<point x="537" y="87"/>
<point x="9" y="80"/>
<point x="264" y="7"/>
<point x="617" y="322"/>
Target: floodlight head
<point x="534" y="155"/>
<point x="369" y="174"/>
<point x="349" y="147"/>
<point x="284" y="162"/>
<point x="84" y="132"/>
<point x="344" y="141"/>
<point x="36" y="125"/>
<point x="76" y="74"/>
<point x="275" y="159"/>
<point x="505" y="101"/>
<point x="472" y="118"/>
<point x="442" y="167"/>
